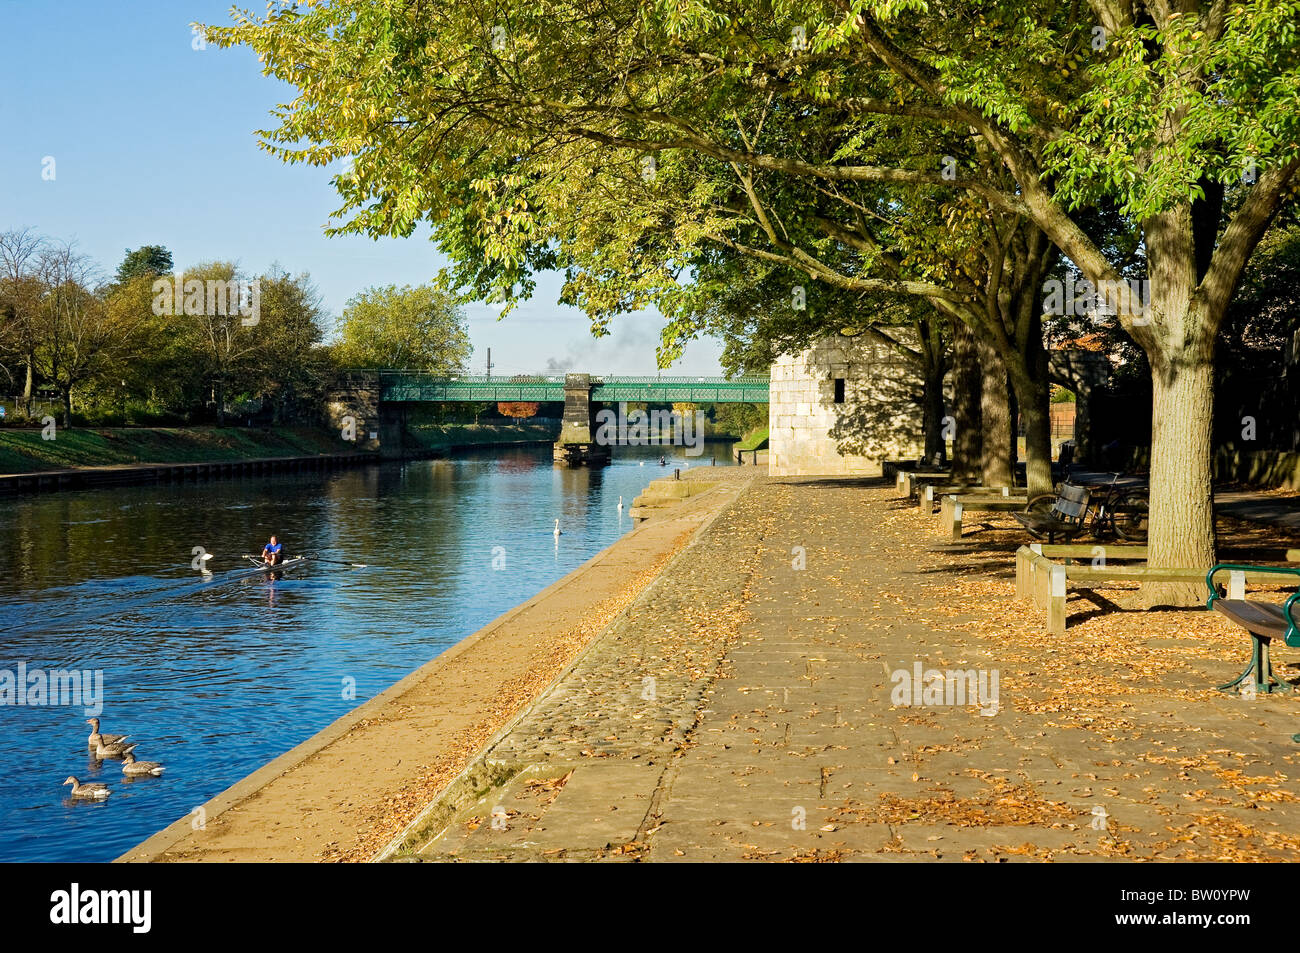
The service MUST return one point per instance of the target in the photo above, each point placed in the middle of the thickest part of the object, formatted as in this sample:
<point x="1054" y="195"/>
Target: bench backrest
<point x="1071" y="503"/>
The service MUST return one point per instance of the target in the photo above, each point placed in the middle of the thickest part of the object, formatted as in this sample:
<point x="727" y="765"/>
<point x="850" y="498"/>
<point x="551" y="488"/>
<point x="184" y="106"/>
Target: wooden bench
<point x="1264" y="621"/>
<point x="1065" y="519"/>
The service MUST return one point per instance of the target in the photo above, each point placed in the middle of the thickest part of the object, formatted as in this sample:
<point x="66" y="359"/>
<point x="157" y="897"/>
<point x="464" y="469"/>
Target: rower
<point x="271" y="552"/>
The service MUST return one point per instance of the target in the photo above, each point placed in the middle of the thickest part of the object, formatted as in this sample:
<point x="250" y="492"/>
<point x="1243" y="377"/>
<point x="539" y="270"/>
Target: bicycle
<point x="1115" y="510"/>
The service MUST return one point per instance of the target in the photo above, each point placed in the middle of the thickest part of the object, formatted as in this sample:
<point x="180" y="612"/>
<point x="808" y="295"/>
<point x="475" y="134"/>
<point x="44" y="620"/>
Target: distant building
<point x="843" y="406"/>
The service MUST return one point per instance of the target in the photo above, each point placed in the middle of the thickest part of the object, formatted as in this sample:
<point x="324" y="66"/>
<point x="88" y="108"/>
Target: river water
<point x="215" y="675"/>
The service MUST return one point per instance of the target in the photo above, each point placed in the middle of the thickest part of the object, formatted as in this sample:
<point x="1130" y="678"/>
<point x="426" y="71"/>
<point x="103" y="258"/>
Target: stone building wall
<point x="809" y="433"/>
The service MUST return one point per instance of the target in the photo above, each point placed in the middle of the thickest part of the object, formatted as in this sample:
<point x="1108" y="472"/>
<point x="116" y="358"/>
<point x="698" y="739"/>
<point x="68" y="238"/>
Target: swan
<point x="620" y="502"/>
<point x="557" y="528"/>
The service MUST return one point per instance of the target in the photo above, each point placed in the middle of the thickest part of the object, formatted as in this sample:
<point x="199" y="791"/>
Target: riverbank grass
<point x="755" y="440"/>
<point x="24" y="451"/>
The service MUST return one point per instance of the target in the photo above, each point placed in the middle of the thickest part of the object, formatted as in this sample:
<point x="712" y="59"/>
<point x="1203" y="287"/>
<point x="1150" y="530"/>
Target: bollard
<point x="1056" y="602"/>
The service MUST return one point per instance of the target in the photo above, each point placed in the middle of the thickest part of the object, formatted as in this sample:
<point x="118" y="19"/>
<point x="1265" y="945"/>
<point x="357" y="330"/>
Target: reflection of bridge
<point x="416" y="386"/>
<point x="375" y="402"/>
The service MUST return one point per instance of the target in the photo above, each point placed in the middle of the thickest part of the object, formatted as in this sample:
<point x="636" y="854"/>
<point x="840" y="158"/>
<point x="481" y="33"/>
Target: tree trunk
<point x="1033" y="394"/>
<point x="995" y="419"/>
<point x="219" y="394"/>
<point x="29" y="386"/>
<point x="932" y="399"/>
<point x="1029" y="378"/>
<point x="967" y="438"/>
<point x="67" y="407"/>
<point x="1182" y="506"/>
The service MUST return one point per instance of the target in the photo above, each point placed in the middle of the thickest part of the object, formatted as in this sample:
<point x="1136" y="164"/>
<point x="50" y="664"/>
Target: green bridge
<point x="373" y="406"/>
<point x="416" y="386"/>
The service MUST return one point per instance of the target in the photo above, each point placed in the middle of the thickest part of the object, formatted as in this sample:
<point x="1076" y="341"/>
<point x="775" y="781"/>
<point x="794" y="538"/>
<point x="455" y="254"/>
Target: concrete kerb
<point x="482" y="774"/>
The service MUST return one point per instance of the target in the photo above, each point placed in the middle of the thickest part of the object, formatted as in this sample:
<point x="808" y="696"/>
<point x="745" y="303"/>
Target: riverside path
<point x="746" y="707"/>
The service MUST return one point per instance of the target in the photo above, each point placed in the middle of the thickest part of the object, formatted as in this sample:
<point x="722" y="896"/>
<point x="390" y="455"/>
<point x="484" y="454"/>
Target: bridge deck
<point x="415" y="386"/>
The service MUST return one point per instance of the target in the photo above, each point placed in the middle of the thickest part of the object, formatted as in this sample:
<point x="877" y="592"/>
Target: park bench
<point x="1264" y="621"/>
<point x="1045" y="573"/>
<point x="1065" y="519"/>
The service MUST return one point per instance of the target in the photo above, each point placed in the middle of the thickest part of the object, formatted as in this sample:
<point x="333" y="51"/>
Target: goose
<point x="558" y="532"/>
<point x="116" y="750"/>
<point x="91" y="789"/>
<point x="96" y="739"/>
<point x="133" y="767"/>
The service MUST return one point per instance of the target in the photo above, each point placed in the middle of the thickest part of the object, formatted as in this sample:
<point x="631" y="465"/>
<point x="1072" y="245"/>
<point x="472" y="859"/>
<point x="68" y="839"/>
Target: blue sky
<point x="153" y="143"/>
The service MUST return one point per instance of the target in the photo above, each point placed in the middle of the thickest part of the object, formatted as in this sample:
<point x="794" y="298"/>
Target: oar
<point x="338" y="562"/>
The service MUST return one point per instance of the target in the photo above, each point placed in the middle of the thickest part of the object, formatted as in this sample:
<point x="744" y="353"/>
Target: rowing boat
<point x="260" y="567"/>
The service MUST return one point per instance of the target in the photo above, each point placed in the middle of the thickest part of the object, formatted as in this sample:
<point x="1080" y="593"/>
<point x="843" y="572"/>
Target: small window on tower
<point x="839" y="390"/>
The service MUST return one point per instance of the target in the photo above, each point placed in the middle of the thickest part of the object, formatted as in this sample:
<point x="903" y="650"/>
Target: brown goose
<point x="92" y="790"/>
<point x="136" y="768"/>
<point x="96" y="739"/>
<point x="116" y="750"/>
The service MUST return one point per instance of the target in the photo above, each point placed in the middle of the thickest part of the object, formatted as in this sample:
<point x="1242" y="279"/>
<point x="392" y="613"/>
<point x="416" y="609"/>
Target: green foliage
<point x="150" y="261"/>
<point x="128" y="352"/>
<point x="418" y="328"/>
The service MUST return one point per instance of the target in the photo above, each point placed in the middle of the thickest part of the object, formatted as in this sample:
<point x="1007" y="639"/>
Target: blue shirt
<point x="273" y="547"/>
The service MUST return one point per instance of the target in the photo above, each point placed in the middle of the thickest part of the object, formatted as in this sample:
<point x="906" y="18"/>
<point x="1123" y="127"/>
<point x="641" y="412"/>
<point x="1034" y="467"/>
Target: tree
<point x="208" y="314"/>
<point x="78" y="336"/>
<point x="517" y="409"/>
<point x="417" y="328"/>
<point x="574" y="147"/>
<point x="21" y="252"/>
<point x="288" y="367"/>
<point x="526" y="153"/>
<point x="152" y="261"/>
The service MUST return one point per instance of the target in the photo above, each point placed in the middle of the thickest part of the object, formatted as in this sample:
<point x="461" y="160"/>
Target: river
<point x="215" y="675"/>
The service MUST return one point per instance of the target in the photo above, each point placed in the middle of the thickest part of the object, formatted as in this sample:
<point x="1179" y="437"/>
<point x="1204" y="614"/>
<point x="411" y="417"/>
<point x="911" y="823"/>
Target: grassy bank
<point x="445" y="436"/>
<point x="23" y="451"/>
<point x="757" y="440"/>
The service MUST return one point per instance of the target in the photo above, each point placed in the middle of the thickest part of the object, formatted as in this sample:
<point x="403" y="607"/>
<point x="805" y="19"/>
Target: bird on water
<point x="91" y="790"/>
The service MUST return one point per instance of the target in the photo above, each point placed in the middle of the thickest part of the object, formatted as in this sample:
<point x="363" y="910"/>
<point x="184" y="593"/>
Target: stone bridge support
<point x="577" y="444"/>
<point x="363" y="421"/>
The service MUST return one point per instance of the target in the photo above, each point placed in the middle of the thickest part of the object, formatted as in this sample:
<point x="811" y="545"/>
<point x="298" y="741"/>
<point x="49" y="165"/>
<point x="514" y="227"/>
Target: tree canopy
<point x="419" y="328"/>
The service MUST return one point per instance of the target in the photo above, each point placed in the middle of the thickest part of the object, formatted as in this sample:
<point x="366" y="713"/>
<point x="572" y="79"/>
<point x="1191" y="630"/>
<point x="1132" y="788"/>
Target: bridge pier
<point x="577" y="445"/>
<point x="363" y="420"/>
